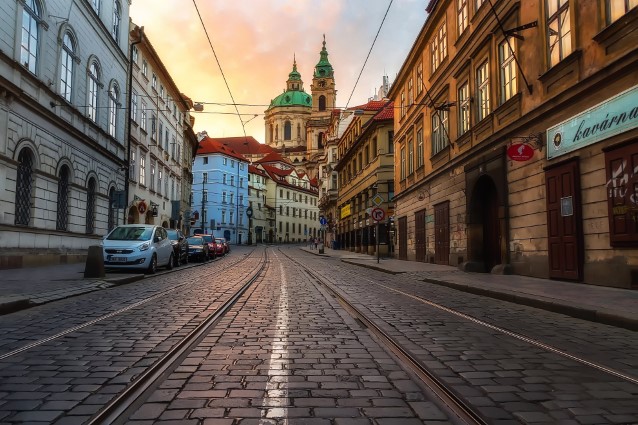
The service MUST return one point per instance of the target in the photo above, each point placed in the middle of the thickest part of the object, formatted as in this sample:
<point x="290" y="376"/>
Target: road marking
<point x="276" y="402"/>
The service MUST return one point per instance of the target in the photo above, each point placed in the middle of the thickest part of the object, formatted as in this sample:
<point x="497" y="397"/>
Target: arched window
<point x="271" y="135"/>
<point x="320" y="140"/>
<point x="66" y="66"/>
<point x="117" y="19"/>
<point x="63" y="199"/>
<point x="298" y="131"/>
<point x="90" y="207"/>
<point x="322" y="103"/>
<point x="24" y="184"/>
<point x="287" y="130"/>
<point x="277" y="132"/>
<point x="30" y="34"/>
<point x="111" y="219"/>
<point x="114" y="97"/>
<point x="94" y="78"/>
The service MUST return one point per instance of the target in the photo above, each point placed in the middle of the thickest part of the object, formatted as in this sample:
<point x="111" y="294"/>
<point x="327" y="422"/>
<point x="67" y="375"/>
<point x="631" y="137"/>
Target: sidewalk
<point x="612" y="306"/>
<point x="24" y="288"/>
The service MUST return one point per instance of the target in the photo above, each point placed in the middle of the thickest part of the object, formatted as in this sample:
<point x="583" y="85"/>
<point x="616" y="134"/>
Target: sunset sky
<point x="255" y="41"/>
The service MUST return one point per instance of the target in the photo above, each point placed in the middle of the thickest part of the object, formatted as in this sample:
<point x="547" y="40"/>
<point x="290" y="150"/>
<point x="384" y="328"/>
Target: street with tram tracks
<point x="274" y="335"/>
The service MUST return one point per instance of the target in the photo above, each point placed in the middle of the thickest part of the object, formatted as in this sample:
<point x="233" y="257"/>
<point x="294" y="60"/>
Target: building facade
<point x="62" y="127"/>
<point x="515" y="140"/>
<point x="366" y="180"/>
<point x="162" y="141"/>
<point x="258" y="221"/>
<point x="220" y="191"/>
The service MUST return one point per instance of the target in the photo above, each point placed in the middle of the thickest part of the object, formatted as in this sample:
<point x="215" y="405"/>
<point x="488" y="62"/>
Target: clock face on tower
<point x="322" y="83"/>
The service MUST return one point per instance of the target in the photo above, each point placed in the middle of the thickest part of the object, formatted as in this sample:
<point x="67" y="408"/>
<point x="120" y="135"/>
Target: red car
<point x="222" y="246"/>
<point x="212" y="245"/>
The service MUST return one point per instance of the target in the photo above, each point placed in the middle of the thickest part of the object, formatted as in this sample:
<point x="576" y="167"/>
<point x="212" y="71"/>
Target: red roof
<point x="373" y="105"/>
<point x="386" y="113"/>
<point x="273" y="157"/>
<point x="254" y="170"/>
<point x="209" y="145"/>
<point x="244" y="145"/>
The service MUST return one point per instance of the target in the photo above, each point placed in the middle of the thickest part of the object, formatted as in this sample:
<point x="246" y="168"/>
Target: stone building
<point x="63" y="77"/>
<point x="162" y="141"/>
<point x="515" y="135"/>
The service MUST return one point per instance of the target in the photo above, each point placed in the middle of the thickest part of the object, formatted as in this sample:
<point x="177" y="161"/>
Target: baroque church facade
<point x="296" y="122"/>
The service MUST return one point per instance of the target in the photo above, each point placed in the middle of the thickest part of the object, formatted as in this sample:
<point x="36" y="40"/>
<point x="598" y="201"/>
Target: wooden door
<point x="564" y="221"/>
<point x="442" y="233"/>
<point x="419" y="235"/>
<point x="403" y="238"/>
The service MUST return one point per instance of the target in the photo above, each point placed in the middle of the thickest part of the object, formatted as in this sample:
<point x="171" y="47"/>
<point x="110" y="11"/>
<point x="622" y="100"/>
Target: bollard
<point x="94" y="266"/>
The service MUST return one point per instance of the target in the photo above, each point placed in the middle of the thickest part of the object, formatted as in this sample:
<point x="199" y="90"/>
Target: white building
<point x="259" y="223"/>
<point x="63" y="77"/>
<point x="162" y="141"/>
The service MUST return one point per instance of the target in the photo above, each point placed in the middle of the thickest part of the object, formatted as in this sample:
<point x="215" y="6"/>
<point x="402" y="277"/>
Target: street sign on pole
<point x="323" y="221"/>
<point x="378" y="214"/>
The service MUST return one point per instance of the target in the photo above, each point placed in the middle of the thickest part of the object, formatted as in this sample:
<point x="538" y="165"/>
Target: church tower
<point x="324" y="98"/>
<point x="287" y="116"/>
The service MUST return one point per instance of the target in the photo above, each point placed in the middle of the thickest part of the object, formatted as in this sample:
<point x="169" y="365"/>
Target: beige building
<point x="516" y="140"/>
<point x="366" y="179"/>
<point x="162" y="141"/>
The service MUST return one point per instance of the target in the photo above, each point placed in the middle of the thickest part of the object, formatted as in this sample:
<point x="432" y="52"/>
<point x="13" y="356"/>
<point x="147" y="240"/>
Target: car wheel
<point x="152" y="268"/>
<point x="171" y="263"/>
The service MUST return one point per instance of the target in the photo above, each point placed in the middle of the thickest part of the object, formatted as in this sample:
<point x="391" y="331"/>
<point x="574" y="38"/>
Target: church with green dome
<point x="296" y="121"/>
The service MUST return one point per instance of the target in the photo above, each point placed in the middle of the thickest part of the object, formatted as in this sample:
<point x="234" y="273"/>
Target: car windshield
<point x="219" y="240"/>
<point x="195" y="241"/>
<point x="131" y="234"/>
<point x="172" y="234"/>
<point x="208" y="238"/>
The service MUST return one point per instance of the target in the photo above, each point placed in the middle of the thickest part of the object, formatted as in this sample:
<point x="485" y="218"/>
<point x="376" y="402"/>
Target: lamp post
<point x="129" y="96"/>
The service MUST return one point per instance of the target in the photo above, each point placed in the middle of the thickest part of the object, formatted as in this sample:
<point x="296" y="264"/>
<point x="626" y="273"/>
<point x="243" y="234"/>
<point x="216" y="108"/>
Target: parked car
<point x="223" y="242"/>
<point x="197" y="249"/>
<point x="138" y="246"/>
<point x="212" y="245"/>
<point x="180" y="246"/>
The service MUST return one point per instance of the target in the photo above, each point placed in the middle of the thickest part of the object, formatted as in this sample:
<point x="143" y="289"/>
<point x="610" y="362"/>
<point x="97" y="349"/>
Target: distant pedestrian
<point x="316" y="242"/>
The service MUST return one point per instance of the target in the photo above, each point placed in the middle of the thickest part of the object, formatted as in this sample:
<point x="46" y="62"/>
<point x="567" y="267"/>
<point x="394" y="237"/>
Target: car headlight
<point x="145" y="246"/>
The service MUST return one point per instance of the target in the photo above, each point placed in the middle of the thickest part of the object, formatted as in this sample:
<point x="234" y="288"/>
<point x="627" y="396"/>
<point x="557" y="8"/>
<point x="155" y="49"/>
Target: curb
<point x="590" y="314"/>
<point x="370" y="266"/>
<point x="13" y="306"/>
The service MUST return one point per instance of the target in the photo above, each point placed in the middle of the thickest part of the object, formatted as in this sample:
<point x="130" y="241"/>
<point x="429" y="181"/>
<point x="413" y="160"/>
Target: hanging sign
<point x="141" y="207"/>
<point x="520" y="152"/>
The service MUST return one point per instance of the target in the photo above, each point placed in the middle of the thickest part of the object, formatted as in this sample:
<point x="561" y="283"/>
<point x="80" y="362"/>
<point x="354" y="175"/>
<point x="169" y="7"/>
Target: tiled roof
<point x="244" y="145"/>
<point x="273" y="157"/>
<point x="254" y="170"/>
<point x="208" y="145"/>
<point x="386" y="113"/>
<point x="373" y="105"/>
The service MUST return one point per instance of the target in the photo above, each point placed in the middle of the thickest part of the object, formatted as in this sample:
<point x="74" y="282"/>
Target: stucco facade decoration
<point x="470" y="93"/>
<point x="62" y="127"/>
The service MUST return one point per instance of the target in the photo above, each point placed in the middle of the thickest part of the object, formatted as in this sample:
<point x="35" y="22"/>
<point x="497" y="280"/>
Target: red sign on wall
<point x="520" y="152"/>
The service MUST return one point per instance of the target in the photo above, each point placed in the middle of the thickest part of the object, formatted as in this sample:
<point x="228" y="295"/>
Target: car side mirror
<point x="156" y="239"/>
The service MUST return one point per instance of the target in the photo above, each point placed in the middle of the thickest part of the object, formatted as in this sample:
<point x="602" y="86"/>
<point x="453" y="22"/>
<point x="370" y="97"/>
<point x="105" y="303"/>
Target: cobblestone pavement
<point x="507" y="379"/>
<point x="289" y="354"/>
<point x="292" y="353"/>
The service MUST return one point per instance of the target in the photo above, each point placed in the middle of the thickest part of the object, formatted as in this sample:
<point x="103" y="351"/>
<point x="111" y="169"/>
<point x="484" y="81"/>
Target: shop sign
<point x="520" y="152"/>
<point x="613" y="116"/>
<point x="345" y="211"/>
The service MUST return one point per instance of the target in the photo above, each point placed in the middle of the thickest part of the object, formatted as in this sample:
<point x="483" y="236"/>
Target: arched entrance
<point x="484" y="230"/>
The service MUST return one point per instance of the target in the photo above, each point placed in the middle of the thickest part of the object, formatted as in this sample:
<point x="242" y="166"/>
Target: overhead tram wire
<point x="369" y="52"/>
<point x="219" y="65"/>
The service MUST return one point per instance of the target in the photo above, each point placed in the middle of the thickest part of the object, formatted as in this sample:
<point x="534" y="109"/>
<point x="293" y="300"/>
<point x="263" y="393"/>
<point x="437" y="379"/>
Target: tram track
<point x="588" y="366"/>
<point x="456" y="404"/>
<point x="117" y="410"/>
<point x="159" y="295"/>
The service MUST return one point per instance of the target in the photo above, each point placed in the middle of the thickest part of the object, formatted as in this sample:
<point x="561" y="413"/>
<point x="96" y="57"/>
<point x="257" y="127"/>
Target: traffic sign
<point x="378" y="214"/>
<point x="377" y="200"/>
<point x="323" y="221"/>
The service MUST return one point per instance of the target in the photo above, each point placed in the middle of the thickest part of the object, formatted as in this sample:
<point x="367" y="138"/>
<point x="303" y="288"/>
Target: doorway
<point x="442" y="233"/>
<point x="419" y="235"/>
<point x="564" y="221"/>
<point x="484" y="224"/>
<point x="403" y="238"/>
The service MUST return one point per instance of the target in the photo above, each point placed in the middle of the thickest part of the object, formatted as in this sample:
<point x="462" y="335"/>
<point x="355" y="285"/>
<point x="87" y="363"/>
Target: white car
<point x="138" y="246"/>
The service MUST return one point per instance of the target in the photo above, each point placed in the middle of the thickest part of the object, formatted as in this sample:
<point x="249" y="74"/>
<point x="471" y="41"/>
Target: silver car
<point x="138" y="246"/>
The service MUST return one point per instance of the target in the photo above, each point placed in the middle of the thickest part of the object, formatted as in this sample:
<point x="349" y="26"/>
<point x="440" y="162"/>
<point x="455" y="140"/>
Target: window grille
<point x="24" y="184"/>
<point x="90" y="207"/>
<point x="62" y="222"/>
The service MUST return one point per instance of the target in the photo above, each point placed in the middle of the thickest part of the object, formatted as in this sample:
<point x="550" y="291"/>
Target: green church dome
<point x="292" y="98"/>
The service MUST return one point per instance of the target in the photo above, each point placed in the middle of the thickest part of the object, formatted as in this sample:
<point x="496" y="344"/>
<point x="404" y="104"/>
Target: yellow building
<point x="366" y="179"/>
<point x="515" y="135"/>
